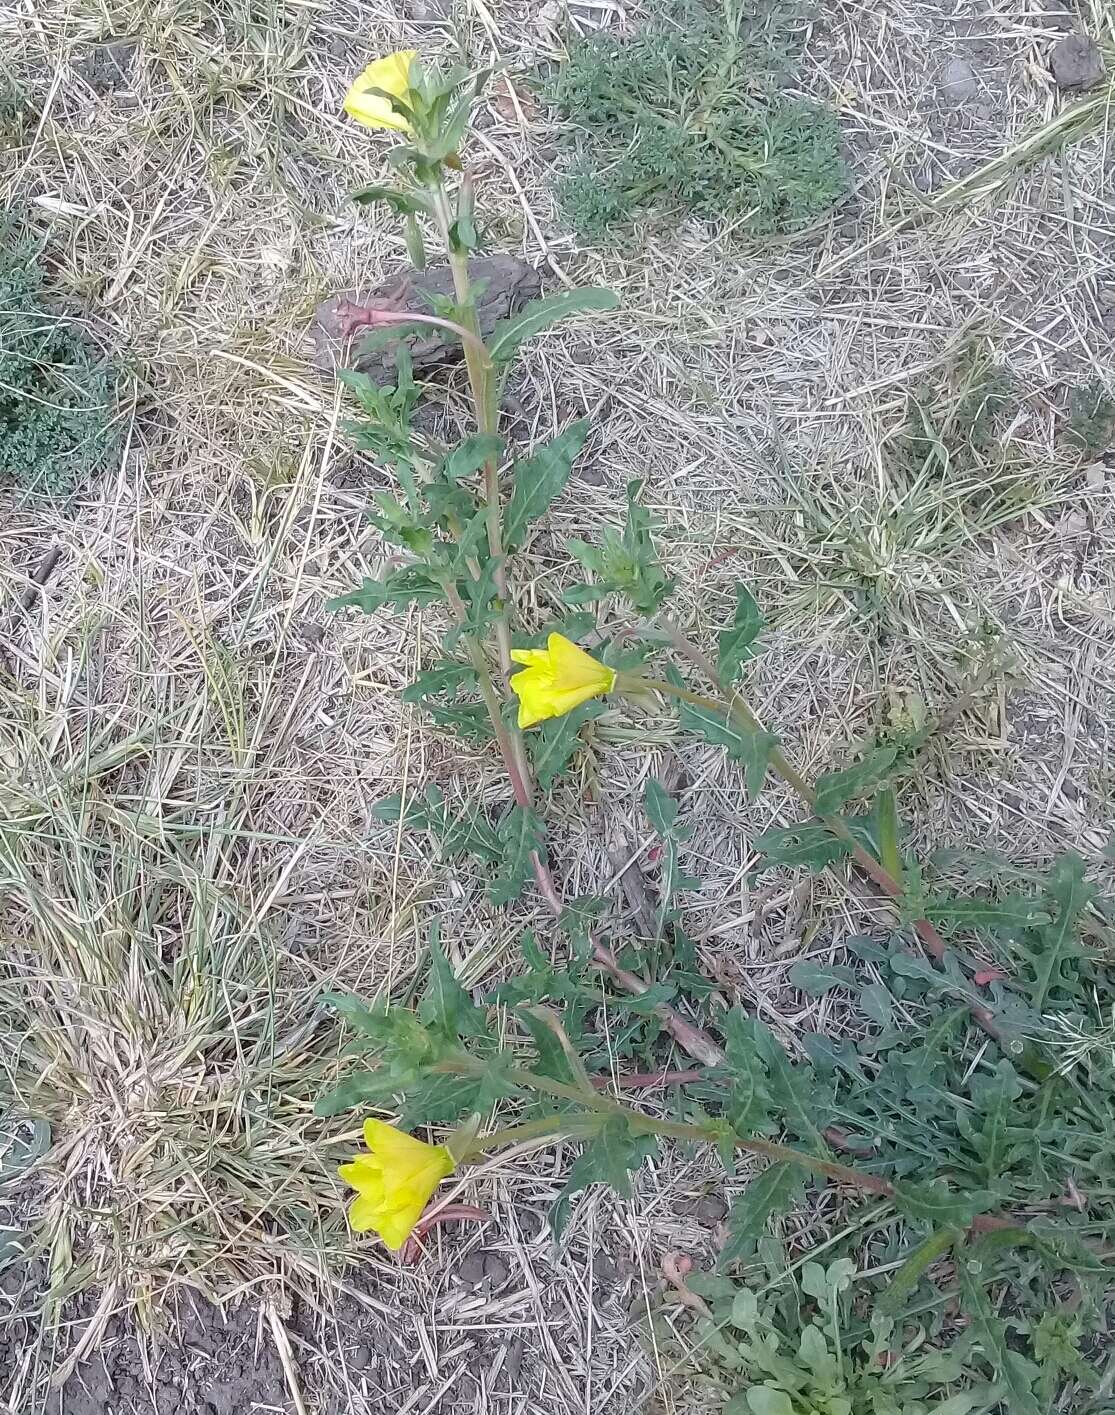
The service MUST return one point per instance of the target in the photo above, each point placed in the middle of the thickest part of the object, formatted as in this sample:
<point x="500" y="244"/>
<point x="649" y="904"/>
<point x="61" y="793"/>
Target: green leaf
<point x="553" y="743"/>
<point x="990" y="1332"/>
<point x="470" y="455"/>
<point x="1071" y="893"/>
<point x="890" y="838"/>
<point x="818" y="980"/>
<point x="445" y="1006"/>
<point x="937" y="1204"/>
<point x="768" y="1400"/>
<point x="736" y="643"/>
<point x="1007" y="915"/>
<point x="551" y="1059"/>
<point x="364" y="1089"/>
<point x="791" y="1089"/>
<point x="416" y="246"/>
<point x="521" y="834"/>
<point x="540" y="314"/>
<point x="466" y="832"/>
<point x="914" y="1265"/>
<point x="403" y="203"/>
<point x="540" y="478"/>
<point x="625" y="563"/>
<point x="995" y="1098"/>
<point x="413" y="584"/>
<point x="810" y="845"/>
<point x="607" y="1158"/>
<point x="477" y="595"/>
<point x="835" y="788"/>
<point x="749" y="1104"/>
<point x="445" y="677"/>
<point x="751" y="748"/>
<point x="470" y="721"/>
<point x="661" y="809"/>
<point x="770" y="1194"/>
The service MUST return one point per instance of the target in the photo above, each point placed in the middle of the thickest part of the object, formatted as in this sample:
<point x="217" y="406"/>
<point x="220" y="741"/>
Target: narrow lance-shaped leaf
<point x="465" y="832"/>
<point x="1071" y="892"/>
<point x="769" y="1195"/>
<point x="445" y="677"/>
<point x="990" y="1332"/>
<point x="470" y="455"/>
<point x="818" y="980"/>
<point x="935" y="1203"/>
<point x="608" y="1158"/>
<point x="540" y="314"/>
<point x="404" y="203"/>
<point x="790" y="1089"/>
<point x="835" y="788"/>
<point x="445" y="1006"/>
<point x="750" y="748"/>
<point x="413" y="584"/>
<point x="809" y="846"/>
<point x="1006" y="915"/>
<point x="736" y="643"/>
<point x="521" y="835"/>
<point x="553" y="743"/>
<point x="914" y="1265"/>
<point x="539" y="479"/>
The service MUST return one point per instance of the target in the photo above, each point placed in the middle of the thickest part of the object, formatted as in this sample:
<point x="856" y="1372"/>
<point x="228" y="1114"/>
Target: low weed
<point x="56" y="390"/>
<point x="685" y="118"/>
<point x="1091" y="420"/>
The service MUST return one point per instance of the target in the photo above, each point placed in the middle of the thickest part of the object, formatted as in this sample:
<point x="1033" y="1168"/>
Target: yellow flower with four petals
<point x="390" y="75"/>
<point x="394" y="1181"/>
<point x="557" y="679"/>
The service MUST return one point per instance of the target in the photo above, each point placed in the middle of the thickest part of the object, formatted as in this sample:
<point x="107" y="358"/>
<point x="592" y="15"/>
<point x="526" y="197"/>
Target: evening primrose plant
<point x="461" y="515"/>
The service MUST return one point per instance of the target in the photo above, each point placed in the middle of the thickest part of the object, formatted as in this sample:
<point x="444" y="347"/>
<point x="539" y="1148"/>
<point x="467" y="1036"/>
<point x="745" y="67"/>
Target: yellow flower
<point x="393" y="1181"/>
<point x="557" y="679"/>
<point x="391" y="75"/>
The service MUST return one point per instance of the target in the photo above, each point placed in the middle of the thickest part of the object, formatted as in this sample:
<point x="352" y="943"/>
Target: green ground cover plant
<point x="685" y="118"/>
<point x="56" y="389"/>
<point x="1091" y="420"/>
<point x="963" y="1113"/>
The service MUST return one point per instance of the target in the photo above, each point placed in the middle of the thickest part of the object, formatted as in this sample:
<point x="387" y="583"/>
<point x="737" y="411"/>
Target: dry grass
<point x="191" y="747"/>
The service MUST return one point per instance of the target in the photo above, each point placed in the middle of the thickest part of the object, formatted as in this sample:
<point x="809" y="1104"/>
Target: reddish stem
<point x="638" y="1079"/>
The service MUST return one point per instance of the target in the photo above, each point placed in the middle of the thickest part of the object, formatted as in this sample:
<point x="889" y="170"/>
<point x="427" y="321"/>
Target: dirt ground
<point x="193" y="745"/>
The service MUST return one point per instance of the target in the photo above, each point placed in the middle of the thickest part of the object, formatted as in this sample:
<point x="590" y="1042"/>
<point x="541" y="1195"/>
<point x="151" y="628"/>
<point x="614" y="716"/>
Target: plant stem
<point x="674" y="1129"/>
<point x="483" y="385"/>
<point x="484" y="389"/>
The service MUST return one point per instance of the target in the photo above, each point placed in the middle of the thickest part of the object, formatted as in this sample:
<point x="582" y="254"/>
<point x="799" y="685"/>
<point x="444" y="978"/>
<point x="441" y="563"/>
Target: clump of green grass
<point x="1091" y="425"/>
<point x="56" y="391"/>
<point x="15" y="112"/>
<point x="684" y="118"/>
<point x="952" y="421"/>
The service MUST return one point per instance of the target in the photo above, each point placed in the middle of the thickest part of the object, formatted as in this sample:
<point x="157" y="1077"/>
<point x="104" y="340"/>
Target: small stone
<point x="496" y="1270"/>
<point x="1077" y="62"/>
<point x="711" y="1210"/>
<point x="1055" y="19"/>
<point x="361" y="1358"/>
<point x="471" y="1271"/>
<point x="514" y="1361"/>
<point x="604" y="1270"/>
<point x="958" y="81"/>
